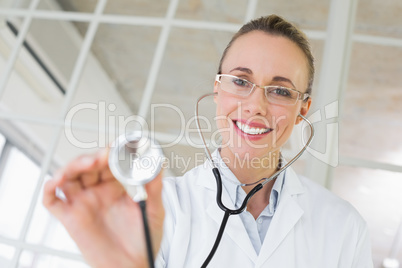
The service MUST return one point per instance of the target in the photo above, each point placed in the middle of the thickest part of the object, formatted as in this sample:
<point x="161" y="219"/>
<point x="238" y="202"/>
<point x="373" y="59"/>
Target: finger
<point x="106" y="175"/>
<point x="50" y="200"/>
<point x="95" y="169"/>
<point x="154" y="187"/>
<point x="103" y="164"/>
<point x="155" y="210"/>
<point x="79" y="166"/>
<point x="103" y="158"/>
<point x="90" y="178"/>
<point x="49" y="191"/>
<point x="71" y="188"/>
<point x="154" y="191"/>
<point x="77" y="174"/>
<point x="109" y="192"/>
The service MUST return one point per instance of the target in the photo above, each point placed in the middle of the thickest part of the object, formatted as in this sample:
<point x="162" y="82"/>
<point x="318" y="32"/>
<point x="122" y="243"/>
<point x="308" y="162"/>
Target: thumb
<point x="154" y="190"/>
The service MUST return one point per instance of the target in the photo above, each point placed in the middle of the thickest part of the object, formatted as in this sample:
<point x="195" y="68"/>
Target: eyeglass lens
<point x="274" y="94"/>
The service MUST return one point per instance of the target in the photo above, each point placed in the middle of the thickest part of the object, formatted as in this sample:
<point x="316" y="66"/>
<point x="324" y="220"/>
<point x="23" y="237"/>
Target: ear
<point x="216" y="85"/>
<point x="305" y="107"/>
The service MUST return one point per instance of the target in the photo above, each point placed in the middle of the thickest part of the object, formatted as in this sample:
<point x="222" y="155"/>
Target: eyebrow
<point x="243" y="69"/>
<point x="283" y="79"/>
<point x="275" y="79"/>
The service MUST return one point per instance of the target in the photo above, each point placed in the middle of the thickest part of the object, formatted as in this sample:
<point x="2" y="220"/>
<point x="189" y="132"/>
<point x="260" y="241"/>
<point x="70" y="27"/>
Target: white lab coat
<point x="311" y="228"/>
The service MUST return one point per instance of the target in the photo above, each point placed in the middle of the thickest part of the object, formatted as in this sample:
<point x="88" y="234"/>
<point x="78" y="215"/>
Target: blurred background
<point x="74" y="74"/>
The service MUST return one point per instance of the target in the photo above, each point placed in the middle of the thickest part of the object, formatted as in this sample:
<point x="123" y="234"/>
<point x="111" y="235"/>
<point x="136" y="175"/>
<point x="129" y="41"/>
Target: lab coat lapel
<point x="287" y="214"/>
<point x="234" y="228"/>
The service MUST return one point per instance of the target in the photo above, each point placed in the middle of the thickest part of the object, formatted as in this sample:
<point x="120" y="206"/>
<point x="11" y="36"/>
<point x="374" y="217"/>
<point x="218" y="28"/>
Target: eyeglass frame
<point x="300" y="95"/>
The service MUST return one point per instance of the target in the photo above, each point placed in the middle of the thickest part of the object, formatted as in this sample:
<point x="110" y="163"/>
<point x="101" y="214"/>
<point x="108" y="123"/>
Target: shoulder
<point x="316" y="192"/>
<point x="190" y="178"/>
<point x="331" y="219"/>
<point x="193" y="185"/>
<point x="319" y="201"/>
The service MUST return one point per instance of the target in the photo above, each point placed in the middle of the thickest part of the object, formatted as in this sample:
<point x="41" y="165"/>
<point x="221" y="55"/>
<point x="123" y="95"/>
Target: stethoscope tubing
<point x="147" y="234"/>
<point x="227" y="211"/>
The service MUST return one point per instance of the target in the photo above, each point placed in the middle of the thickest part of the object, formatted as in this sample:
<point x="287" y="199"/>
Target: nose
<point x="256" y="103"/>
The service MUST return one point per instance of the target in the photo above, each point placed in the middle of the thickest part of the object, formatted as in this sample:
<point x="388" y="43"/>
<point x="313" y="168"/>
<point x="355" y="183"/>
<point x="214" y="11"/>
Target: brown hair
<point x="278" y="26"/>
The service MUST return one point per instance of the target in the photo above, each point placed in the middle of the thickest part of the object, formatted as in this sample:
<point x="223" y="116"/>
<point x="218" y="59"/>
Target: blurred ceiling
<point x="191" y="55"/>
<point x="199" y="33"/>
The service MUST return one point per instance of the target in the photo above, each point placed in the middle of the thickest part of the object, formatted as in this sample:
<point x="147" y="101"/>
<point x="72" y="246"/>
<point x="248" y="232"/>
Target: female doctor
<point x="263" y="84"/>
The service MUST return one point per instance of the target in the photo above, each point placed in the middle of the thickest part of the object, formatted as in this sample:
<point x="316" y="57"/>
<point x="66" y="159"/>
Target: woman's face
<point x="265" y="60"/>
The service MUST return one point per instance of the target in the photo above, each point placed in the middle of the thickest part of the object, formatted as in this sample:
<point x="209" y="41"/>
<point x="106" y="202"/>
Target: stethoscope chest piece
<point x="135" y="159"/>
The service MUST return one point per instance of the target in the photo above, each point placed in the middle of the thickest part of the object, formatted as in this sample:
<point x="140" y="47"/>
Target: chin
<point x="251" y="153"/>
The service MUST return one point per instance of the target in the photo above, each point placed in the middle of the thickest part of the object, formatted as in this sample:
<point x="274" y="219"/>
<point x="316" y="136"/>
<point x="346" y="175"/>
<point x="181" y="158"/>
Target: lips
<point x="252" y="130"/>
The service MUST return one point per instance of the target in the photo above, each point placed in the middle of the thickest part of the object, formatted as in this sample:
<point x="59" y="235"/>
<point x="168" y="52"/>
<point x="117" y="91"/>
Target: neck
<point x="249" y="169"/>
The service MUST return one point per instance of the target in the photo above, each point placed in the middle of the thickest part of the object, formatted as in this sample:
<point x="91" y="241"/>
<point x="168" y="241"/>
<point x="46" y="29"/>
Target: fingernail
<point x="57" y="175"/>
<point x="103" y="154"/>
<point x="86" y="161"/>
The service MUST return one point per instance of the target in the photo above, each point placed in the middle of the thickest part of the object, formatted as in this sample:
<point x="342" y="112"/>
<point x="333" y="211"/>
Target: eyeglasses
<point x="275" y="94"/>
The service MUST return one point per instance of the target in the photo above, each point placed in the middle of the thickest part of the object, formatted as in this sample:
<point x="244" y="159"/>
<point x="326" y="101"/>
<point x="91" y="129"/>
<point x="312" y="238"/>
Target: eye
<point x="281" y="91"/>
<point x="240" y="82"/>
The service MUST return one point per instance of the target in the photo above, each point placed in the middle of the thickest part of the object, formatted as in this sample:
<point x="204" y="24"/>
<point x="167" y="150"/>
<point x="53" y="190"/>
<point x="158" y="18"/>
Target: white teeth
<point x="253" y="131"/>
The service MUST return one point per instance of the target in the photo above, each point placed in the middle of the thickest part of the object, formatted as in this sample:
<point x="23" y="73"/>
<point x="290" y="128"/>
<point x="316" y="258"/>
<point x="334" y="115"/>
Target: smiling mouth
<point x="252" y="130"/>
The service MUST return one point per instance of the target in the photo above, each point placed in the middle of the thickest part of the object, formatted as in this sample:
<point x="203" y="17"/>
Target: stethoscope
<point x="129" y="158"/>
<point x="135" y="159"/>
<point x="260" y="183"/>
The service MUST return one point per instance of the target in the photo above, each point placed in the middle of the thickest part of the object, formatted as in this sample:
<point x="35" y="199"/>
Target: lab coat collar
<point x="286" y="216"/>
<point x="293" y="185"/>
<point x="234" y="228"/>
